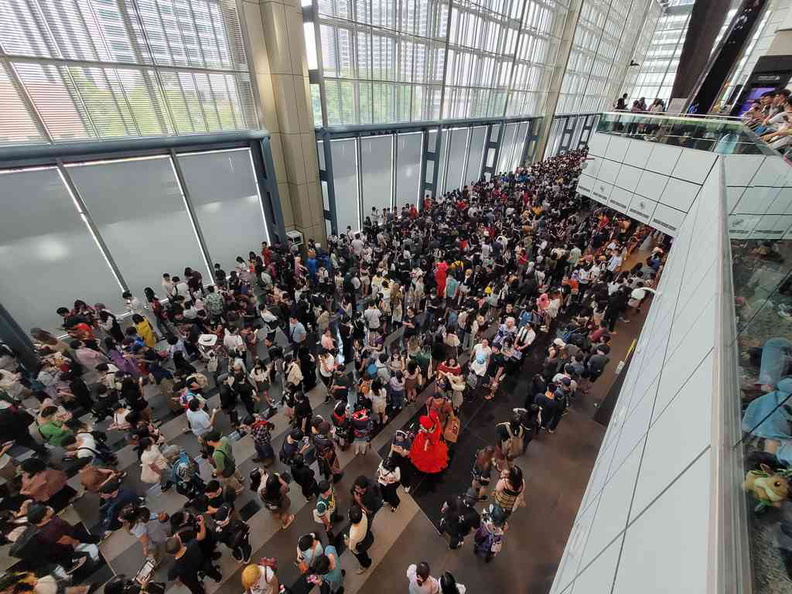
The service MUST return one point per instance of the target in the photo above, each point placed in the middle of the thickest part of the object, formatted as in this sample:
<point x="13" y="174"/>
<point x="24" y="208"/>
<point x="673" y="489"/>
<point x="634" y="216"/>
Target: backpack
<point x="183" y="469"/>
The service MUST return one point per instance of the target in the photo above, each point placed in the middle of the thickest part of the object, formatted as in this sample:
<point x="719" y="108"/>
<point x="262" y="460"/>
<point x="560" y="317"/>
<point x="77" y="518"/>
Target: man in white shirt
<point x="167" y="285"/>
<point x="199" y="420"/>
<point x="357" y="245"/>
<point x="372" y="316"/>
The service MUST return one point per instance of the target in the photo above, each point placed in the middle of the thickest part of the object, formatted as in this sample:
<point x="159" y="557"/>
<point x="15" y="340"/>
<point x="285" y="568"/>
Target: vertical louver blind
<point x="96" y="69"/>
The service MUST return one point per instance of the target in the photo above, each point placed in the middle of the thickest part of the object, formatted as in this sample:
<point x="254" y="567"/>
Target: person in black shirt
<point x="218" y="496"/>
<point x="189" y="559"/>
<point x="460" y="517"/>
<point x="304" y="476"/>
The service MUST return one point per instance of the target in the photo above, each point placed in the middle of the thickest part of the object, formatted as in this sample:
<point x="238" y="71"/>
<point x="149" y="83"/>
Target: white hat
<point x="207" y="340"/>
<point x="559" y="342"/>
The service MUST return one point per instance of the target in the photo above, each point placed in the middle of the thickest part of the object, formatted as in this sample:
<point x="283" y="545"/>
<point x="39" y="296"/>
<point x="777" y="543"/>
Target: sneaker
<point x="77" y="564"/>
<point x="287" y="524"/>
<point x="407" y="489"/>
<point x="360" y="570"/>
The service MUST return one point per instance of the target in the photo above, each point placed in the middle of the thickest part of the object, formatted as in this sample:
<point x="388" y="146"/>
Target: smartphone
<point x="145" y="572"/>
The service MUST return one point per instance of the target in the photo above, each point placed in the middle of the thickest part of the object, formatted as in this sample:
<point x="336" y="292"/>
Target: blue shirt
<point x="334" y="577"/>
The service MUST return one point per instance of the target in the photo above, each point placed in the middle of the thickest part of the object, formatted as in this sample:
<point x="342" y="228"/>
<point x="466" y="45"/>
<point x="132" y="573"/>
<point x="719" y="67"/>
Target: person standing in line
<point x="449" y="585"/>
<point x="260" y="579"/>
<point x="421" y="580"/>
<point x="460" y="517"/>
<point x="189" y="560"/>
<point x="388" y="477"/>
<point x="223" y="461"/>
<point x="360" y="537"/>
<point x="234" y="533"/>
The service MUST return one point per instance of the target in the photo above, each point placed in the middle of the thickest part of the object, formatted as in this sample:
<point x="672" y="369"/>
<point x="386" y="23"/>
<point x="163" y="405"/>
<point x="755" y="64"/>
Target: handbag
<point x="453" y="426"/>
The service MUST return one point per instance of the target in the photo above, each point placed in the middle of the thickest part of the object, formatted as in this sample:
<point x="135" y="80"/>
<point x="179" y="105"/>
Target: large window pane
<point x="456" y="159"/>
<point x="376" y="158"/>
<point x="145" y="226"/>
<point x="345" y="181"/>
<point x="224" y="194"/>
<point x="408" y="168"/>
<point x="48" y="257"/>
<point x="475" y="154"/>
<point x="507" y="148"/>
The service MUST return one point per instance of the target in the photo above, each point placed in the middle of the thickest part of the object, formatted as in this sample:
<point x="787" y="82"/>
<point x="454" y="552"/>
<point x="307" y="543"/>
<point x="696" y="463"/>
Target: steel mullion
<point x="23" y="94"/>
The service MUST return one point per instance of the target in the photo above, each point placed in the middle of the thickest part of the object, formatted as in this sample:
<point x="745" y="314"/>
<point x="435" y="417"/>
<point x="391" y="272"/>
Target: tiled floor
<point x="556" y="468"/>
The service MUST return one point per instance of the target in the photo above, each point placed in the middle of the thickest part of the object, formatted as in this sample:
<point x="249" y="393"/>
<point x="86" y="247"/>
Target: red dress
<point x="429" y="453"/>
<point x="441" y="274"/>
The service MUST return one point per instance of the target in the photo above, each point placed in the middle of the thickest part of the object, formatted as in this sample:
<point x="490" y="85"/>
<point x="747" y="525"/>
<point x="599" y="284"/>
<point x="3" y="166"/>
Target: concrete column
<point x="275" y="34"/>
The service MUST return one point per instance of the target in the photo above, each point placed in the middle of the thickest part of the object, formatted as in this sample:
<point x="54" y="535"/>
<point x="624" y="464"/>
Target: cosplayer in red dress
<point x="429" y="453"/>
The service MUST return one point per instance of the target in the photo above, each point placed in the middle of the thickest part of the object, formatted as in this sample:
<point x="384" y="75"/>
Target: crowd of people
<point x="426" y="309"/>
<point x="770" y="117"/>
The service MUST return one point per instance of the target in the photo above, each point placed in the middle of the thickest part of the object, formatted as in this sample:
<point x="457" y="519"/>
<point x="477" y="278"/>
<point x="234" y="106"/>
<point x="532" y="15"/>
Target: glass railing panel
<point x="727" y="137"/>
<point x="762" y="279"/>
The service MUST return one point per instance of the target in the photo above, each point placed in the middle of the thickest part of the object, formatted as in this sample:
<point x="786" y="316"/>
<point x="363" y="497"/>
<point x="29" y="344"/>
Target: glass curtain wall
<point x="383" y="61"/>
<point x="603" y="44"/>
<point x="366" y="173"/>
<point x="642" y="45"/>
<point x="98" y="69"/>
<point x="658" y="69"/>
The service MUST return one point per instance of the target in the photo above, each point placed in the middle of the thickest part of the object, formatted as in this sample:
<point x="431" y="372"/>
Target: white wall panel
<point x="614" y="507"/>
<point x="782" y="203"/>
<point x="608" y="171"/>
<point x="667" y="219"/>
<point x="628" y="177"/>
<point x="601" y="191"/>
<point x="598" y="577"/>
<point x="641" y="208"/>
<point x="593" y="164"/>
<point x="740" y="169"/>
<point x="598" y="144"/>
<point x="694" y="165"/>
<point x="585" y="183"/>
<point x="667" y="392"/>
<point x="651" y="185"/>
<point x="733" y="195"/>
<point x="617" y="148"/>
<point x="663" y="158"/>
<point x="679" y="194"/>
<point x="620" y="199"/>
<point x="638" y="153"/>
<point x="771" y="227"/>
<point x="666" y="549"/>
